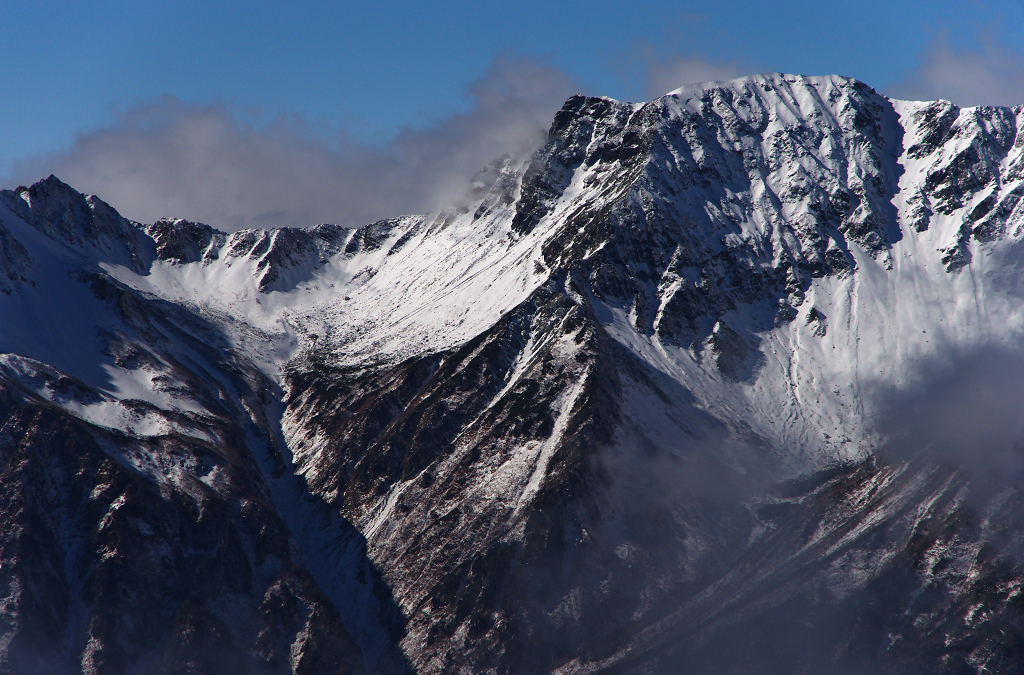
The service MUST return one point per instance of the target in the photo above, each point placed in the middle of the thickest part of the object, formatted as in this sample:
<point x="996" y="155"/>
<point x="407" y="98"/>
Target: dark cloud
<point x="964" y="408"/>
<point x="202" y="162"/>
<point x="991" y="74"/>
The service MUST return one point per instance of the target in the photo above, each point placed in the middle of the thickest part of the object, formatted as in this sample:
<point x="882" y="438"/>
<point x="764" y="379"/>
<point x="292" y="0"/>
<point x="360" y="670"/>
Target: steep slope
<point x="620" y="402"/>
<point x="753" y="274"/>
<point x="141" y="530"/>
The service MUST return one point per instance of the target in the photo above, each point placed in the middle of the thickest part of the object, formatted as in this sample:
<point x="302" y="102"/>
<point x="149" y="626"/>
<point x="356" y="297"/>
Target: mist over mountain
<point x="727" y="381"/>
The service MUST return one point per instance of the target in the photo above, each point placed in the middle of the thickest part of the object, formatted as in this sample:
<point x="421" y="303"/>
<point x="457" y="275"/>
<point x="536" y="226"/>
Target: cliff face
<point x="628" y="400"/>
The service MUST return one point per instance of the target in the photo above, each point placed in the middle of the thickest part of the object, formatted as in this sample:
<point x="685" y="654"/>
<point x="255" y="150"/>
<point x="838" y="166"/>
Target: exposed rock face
<point x="85" y="223"/>
<point x="182" y="241"/>
<point x="123" y="554"/>
<point x="614" y="411"/>
<point x="148" y="540"/>
<point x="15" y="263"/>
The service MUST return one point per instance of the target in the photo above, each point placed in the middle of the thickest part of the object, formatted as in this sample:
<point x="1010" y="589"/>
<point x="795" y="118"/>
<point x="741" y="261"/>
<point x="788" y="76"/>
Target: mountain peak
<point x="85" y="224"/>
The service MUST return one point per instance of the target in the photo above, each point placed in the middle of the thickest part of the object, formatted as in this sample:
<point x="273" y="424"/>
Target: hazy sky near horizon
<point x="260" y="113"/>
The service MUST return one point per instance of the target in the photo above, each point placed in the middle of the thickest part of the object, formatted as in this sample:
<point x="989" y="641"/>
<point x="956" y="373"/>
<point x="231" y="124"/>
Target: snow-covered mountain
<point x="669" y="381"/>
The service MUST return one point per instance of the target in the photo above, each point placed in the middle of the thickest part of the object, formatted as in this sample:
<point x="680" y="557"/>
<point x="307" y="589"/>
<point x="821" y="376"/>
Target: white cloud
<point x="990" y="75"/>
<point x="668" y="74"/>
<point x="168" y="158"/>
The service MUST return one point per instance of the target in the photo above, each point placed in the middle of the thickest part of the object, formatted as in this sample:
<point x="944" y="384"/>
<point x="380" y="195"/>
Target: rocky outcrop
<point x="182" y="241"/>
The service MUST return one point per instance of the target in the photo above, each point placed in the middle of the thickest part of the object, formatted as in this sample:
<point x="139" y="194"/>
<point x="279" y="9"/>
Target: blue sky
<point x="102" y="91"/>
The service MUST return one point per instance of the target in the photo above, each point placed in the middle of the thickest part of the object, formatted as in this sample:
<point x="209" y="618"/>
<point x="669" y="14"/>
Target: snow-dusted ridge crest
<point x="728" y="279"/>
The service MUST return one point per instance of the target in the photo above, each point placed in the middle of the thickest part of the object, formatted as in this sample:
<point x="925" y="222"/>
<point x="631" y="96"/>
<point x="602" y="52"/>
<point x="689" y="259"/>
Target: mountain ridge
<point x="549" y="428"/>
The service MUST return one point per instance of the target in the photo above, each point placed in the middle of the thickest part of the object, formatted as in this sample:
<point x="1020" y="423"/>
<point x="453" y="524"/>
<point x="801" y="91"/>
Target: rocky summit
<point x="729" y="381"/>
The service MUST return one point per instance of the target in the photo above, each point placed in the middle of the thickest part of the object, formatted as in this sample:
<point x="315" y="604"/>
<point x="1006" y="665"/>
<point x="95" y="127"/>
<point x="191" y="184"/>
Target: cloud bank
<point x="201" y="162"/>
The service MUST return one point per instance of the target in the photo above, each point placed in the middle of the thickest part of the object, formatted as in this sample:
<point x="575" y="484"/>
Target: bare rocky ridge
<point x="611" y="412"/>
